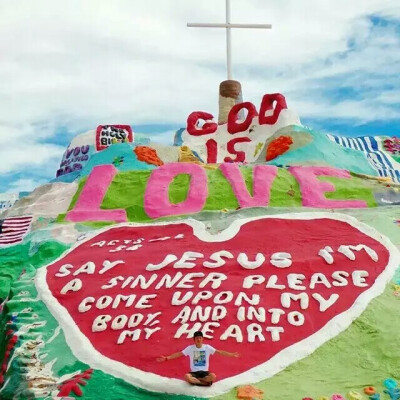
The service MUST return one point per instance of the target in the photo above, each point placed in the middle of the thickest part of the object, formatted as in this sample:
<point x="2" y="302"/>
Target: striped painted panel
<point x="13" y="229"/>
<point x="376" y="158"/>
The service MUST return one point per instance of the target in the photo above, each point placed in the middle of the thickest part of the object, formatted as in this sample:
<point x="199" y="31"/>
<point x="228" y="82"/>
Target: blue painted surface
<point x="322" y="151"/>
<point x="113" y="154"/>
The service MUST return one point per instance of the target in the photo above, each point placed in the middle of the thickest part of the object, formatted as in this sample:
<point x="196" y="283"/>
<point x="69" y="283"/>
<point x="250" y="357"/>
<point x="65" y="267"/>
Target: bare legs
<point x="209" y="379"/>
<point x="206" y="381"/>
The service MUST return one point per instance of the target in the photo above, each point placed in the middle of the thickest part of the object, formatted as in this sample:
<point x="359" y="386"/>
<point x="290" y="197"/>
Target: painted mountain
<point x="276" y="241"/>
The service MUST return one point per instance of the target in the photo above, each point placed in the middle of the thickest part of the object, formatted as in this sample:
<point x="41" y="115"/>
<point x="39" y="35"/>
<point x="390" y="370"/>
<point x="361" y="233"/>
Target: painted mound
<point x="278" y="242"/>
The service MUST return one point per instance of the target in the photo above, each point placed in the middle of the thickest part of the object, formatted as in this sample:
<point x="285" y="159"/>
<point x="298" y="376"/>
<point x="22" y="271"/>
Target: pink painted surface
<point x="263" y="175"/>
<point x="313" y="190"/>
<point x="87" y="208"/>
<point x="156" y="199"/>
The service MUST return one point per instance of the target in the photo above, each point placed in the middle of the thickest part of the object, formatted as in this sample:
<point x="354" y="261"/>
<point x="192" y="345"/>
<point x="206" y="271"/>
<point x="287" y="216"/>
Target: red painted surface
<point x="115" y="135"/>
<point x="240" y="155"/>
<point x="278" y="147"/>
<point x="74" y="384"/>
<point x="212" y="151"/>
<point x="208" y="127"/>
<point x="274" y="102"/>
<point x="301" y="238"/>
<point x="9" y="348"/>
<point x="267" y="104"/>
<point x="233" y="125"/>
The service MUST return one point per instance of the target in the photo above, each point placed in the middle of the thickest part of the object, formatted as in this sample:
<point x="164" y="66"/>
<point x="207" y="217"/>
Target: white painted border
<point x="84" y="350"/>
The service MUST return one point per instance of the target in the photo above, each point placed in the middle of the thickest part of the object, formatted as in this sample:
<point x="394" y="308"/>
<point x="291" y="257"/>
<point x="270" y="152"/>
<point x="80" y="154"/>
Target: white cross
<point x="228" y="27"/>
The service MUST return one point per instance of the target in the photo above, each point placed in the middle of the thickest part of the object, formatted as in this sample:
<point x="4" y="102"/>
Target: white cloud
<point x="79" y="64"/>
<point x="166" y="138"/>
<point x="390" y="97"/>
<point x="363" y="110"/>
<point x="25" y="185"/>
<point x="21" y="149"/>
<point x="36" y="154"/>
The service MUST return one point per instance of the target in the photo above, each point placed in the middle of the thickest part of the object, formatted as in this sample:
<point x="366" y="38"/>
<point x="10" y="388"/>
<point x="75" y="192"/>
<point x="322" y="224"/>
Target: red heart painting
<point x="271" y="288"/>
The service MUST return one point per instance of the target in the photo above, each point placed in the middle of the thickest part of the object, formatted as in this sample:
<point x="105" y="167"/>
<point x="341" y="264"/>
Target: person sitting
<point x="199" y="354"/>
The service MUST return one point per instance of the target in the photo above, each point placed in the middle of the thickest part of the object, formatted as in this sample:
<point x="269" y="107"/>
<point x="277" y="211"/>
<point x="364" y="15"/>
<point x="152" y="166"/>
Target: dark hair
<point x="198" y="333"/>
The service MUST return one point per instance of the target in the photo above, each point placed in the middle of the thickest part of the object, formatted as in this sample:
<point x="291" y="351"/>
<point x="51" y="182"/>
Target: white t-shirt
<point x="199" y="356"/>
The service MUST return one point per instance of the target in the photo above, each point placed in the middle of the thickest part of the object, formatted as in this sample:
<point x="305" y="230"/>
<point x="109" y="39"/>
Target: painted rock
<point x="369" y="390"/>
<point x="390" y="383"/>
<point x="353" y="395"/>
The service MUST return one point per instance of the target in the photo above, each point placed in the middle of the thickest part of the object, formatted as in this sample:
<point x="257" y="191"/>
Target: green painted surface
<point x="285" y="191"/>
<point x="365" y="354"/>
<point x="359" y="189"/>
<point x="178" y="188"/>
<point x="47" y="343"/>
<point x="16" y="259"/>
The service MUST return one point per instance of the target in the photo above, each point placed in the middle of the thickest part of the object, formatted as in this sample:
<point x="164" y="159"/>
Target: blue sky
<point x="68" y="66"/>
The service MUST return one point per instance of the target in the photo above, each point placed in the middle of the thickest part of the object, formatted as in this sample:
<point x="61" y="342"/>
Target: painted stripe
<point x="16" y="223"/>
<point x="371" y="143"/>
<point x="6" y="237"/>
<point x="11" y="241"/>
<point x="377" y="159"/>
<point x="387" y="160"/>
<point x="18" y="219"/>
<point x="12" y="234"/>
<point x="362" y="144"/>
<point x="11" y="231"/>
<point x="330" y="137"/>
<point x="11" y="226"/>
<point x="357" y="144"/>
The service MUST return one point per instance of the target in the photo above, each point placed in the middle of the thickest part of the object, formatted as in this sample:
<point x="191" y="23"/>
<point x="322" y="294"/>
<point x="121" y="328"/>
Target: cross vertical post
<point x="228" y="40"/>
<point x="230" y="91"/>
<point x="228" y="26"/>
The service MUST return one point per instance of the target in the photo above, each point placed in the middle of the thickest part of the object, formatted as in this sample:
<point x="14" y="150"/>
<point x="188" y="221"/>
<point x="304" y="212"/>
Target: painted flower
<point x="118" y="161"/>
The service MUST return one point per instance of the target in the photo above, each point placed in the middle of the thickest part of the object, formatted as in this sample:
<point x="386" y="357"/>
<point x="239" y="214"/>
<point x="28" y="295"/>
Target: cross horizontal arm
<point x="211" y="25"/>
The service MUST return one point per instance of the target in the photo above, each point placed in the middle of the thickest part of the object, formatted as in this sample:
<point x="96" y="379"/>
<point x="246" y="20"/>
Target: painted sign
<point x="157" y="203"/>
<point x="133" y="292"/>
<point x="238" y="140"/>
<point x="107" y="135"/>
<point x="74" y="159"/>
